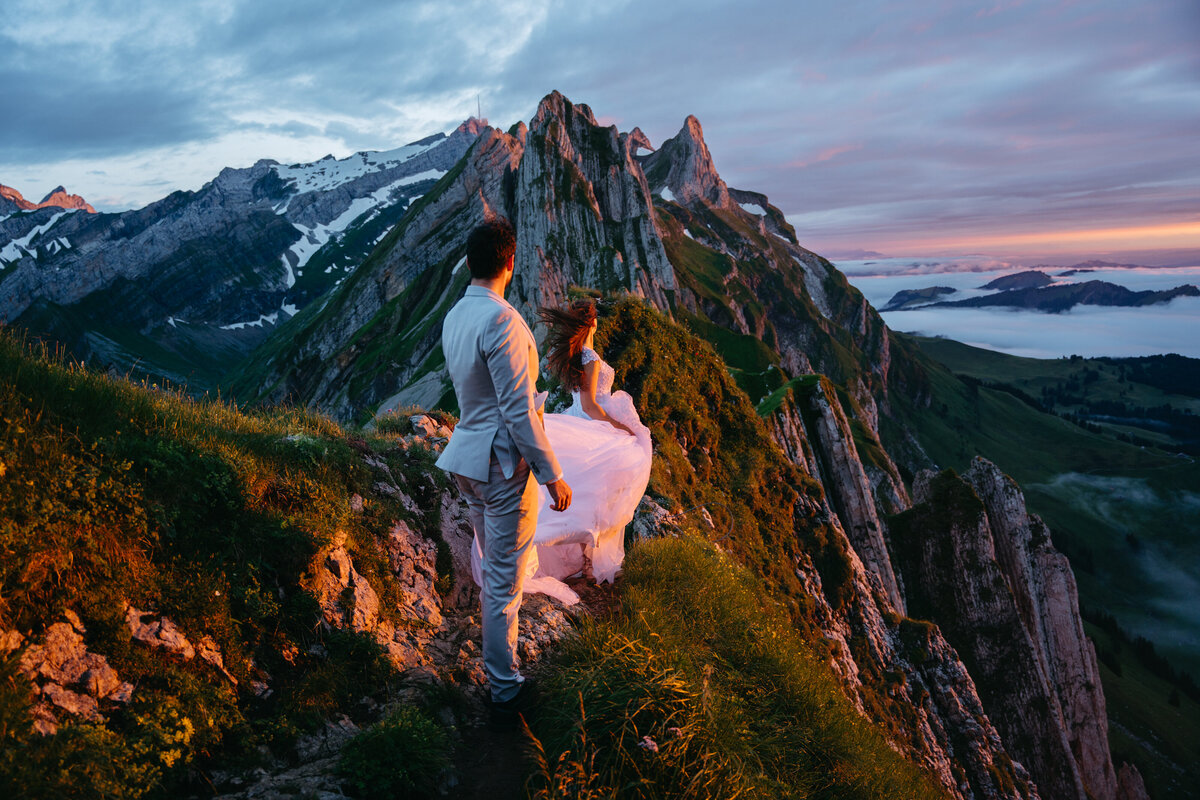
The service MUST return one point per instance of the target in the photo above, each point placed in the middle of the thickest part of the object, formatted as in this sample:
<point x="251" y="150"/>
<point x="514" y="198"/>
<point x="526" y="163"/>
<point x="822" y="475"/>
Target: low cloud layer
<point x="1084" y="330"/>
<point x="876" y="125"/>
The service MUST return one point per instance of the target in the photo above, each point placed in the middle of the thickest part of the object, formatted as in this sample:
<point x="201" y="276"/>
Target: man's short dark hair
<point x="489" y="247"/>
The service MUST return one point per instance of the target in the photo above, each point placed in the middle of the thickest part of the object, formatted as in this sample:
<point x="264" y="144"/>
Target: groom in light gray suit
<point x="499" y="446"/>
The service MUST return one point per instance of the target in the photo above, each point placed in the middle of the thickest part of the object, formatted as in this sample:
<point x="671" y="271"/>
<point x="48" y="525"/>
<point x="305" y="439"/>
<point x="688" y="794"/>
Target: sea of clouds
<point x="1084" y="330"/>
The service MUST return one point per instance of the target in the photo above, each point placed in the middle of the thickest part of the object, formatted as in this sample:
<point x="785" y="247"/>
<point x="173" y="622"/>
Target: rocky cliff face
<point x="375" y="336"/>
<point x="979" y="565"/>
<point x="584" y="213"/>
<point x="813" y="430"/>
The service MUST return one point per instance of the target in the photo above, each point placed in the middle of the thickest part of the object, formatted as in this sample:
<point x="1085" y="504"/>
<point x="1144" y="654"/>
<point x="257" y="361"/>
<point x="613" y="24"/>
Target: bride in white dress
<point x="604" y="451"/>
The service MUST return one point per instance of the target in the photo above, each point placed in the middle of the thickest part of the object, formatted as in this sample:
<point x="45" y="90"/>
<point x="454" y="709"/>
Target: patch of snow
<point x="291" y="276"/>
<point x="427" y="175"/>
<point x="666" y="194"/>
<point x="315" y="238"/>
<point x="257" y="323"/>
<point x="459" y="265"/>
<point x="330" y="173"/>
<point x="815" y="284"/>
<point x="753" y="208"/>
<point x="19" y="248"/>
<point x="688" y="234"/>
<point x="289" y="309"/>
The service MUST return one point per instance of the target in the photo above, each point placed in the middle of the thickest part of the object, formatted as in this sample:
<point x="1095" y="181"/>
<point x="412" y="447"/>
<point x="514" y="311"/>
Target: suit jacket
<point x="492" y="359"/>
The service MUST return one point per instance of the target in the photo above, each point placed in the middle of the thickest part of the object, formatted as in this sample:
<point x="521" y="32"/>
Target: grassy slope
<point x="112" y="492"/>
<point x="718" y="646"/>
<point x="1139" y="704"/>
<point x="701" y="660"/>
<point x="1032" y="375"/>
<point x="210" y="516"/>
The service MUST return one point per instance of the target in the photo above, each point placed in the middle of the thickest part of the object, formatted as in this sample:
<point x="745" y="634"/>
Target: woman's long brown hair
<point x="568" y="331"/>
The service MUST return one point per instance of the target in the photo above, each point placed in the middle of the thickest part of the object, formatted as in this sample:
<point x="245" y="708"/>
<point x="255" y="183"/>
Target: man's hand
<point x="560" y="493"/>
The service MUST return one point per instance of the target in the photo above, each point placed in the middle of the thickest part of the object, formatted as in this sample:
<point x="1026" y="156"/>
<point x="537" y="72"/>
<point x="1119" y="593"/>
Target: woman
<point x="604" y="451"/>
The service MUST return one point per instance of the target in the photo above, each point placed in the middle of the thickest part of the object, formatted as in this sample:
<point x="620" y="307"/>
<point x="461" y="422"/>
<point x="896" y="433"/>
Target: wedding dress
<point x="607" y="470"/>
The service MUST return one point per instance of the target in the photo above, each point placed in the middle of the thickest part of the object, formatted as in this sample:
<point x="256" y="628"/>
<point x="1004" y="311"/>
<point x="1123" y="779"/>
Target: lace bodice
<point x="605" y="381"/>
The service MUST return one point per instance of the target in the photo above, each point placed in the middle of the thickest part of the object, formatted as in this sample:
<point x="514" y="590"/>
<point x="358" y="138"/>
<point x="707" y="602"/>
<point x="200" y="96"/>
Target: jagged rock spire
<point x="684" y="166"/>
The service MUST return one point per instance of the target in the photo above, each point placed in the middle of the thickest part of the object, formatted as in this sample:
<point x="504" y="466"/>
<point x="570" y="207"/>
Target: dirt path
<point x="494" y="764"/>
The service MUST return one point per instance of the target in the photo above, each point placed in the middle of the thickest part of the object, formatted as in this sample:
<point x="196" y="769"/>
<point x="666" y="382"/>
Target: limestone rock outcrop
<point x="1043" y="587"/>
<point x="984" y="569"/>
<point x="65" y="676"/>
<point x="586" y="217"/>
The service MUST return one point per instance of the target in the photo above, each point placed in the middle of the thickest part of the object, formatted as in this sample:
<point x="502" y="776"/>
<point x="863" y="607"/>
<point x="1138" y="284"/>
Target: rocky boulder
<point x="66" y="677"/>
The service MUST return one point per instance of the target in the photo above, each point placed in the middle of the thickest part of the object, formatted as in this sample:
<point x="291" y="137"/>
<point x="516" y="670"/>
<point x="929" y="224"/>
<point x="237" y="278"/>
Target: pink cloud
<point x="826" y="155"/>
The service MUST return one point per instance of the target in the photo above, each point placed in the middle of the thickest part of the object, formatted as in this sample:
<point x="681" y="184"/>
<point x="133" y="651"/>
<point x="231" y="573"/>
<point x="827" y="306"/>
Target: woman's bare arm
<point x="587" y="397"/>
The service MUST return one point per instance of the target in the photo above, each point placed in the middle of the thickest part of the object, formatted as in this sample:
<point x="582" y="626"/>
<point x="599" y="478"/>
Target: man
<point x="498" y="449"/>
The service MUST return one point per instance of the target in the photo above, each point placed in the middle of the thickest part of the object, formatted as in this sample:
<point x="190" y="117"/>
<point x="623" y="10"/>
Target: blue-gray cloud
<point x="877" y="117"/>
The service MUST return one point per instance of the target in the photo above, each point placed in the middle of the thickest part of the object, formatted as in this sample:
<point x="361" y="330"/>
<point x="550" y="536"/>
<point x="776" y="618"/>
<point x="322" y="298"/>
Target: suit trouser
<point x="503" y="512"/>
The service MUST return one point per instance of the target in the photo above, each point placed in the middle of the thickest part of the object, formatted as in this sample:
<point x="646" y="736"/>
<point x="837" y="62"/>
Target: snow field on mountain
<point x="313" y="239"/>
<point x="330" y="173"/>
<point x="19" y="248"/>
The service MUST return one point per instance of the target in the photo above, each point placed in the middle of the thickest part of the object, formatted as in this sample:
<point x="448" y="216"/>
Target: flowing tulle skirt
<point x="607" y="470"/>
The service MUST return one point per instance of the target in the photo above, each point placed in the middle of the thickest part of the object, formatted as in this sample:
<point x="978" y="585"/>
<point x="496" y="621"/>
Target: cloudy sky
<point x="928" y="127"/>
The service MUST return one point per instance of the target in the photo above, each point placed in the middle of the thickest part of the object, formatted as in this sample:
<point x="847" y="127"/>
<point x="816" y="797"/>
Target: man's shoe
<point x="507" y="713"/>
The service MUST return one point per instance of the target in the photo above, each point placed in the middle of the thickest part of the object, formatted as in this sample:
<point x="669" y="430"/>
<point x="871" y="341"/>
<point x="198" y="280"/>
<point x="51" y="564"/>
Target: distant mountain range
<point x="1035" y="290"/>
<point x="12" y="201"/>
<point x="1030" y="279"/>
<point x="190" y="284"/>
<point x="1062" y="297"/>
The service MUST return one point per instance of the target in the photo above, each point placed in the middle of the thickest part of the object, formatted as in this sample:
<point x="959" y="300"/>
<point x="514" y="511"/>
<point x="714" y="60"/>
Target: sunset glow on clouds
<point x="1171" y="236"/>
<point x="886" y="125"/>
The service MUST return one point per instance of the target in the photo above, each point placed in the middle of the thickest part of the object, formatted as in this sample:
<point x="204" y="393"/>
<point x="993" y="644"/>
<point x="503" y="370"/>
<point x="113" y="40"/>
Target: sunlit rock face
<point x="12" y="201"/>
<point x="584" y="212"/>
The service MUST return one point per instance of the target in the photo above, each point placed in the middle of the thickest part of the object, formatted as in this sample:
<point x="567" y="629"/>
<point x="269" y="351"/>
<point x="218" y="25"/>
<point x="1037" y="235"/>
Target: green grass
<point x="713" y="451"/>
<point x="754" y="365"/>
<point x="1144" y="726"/>
<point x="1092" y="380"/>
<point x="112" y="492"/>
<point x="701" y="661"/>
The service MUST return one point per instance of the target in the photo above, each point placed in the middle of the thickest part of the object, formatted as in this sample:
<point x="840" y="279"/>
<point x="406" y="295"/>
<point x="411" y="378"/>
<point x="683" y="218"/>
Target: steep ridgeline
<point x="584" y="217"/>
<point x="592" y="211"/>
<point x="741" y="266"/>
<point x="187" y="285"/>
<point x="984" y="569"/>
